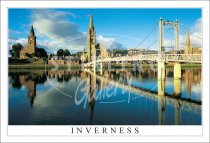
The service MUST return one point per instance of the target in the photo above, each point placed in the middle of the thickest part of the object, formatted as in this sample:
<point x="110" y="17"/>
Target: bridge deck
<point x="188" y="58"/>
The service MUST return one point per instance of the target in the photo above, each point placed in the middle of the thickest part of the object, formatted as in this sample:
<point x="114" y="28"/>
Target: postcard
<point x="74" y="71"/>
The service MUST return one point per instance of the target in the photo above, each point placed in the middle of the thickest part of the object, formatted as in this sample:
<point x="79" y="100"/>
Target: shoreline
<point x="117" y="66"/>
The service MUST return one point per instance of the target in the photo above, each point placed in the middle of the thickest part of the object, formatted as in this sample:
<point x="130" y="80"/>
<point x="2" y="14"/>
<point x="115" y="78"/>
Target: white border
<point x="156" y="133"/>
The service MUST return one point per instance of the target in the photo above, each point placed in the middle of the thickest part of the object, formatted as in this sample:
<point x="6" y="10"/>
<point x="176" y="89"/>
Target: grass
<point x="42" y="66"/>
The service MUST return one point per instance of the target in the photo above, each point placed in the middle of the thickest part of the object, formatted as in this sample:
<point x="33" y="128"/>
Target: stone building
<point x="93" y="49"/>
<point x="91" y="40"/>
<point x="30" y="48"/>
<point x="101" y="52"/>
<point x="63" y="60"/>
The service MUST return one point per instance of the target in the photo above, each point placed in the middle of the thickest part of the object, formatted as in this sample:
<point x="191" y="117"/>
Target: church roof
<point x="187" y="39"/>
<point x="91" y="22"/>
<point x="32" y="30"/>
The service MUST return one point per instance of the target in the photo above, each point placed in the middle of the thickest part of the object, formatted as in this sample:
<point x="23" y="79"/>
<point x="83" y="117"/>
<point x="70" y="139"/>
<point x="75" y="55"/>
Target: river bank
<point x="45" y="66"/>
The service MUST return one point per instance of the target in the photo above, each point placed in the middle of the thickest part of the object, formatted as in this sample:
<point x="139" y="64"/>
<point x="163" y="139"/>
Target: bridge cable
<point x="157" y="39"/>
<point x="147" y="36"/>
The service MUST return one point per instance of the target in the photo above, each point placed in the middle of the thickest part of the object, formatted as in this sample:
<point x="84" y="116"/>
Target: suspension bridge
<point x="161" y="57"/>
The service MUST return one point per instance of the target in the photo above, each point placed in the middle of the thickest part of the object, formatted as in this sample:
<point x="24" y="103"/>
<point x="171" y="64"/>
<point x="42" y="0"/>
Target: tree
<point x="66" y="52"/>
<point x="16" y="50"/>
<point x="41" y="53"/>
<point x="60" y="52"/>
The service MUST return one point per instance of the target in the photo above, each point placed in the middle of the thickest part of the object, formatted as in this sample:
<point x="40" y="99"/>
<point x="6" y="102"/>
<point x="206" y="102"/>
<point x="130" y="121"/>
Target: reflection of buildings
<point x="31" y="87"/>
<point x="29" y="81"/>
<point x="191" y="77"/>
<point x="62" y="75"/>
<point x="91" y="90"/>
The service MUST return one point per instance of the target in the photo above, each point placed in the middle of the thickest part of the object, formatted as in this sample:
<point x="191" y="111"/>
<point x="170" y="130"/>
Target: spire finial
<point x="91" y="20"/>
<point x="32" y="30"/>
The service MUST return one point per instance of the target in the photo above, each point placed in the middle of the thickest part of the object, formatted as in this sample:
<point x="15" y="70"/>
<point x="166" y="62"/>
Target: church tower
<point x="91" y="40"/>
<point x="32" y="41"/>
<point x="30" y="48"/>
<point x="188" y="46"/>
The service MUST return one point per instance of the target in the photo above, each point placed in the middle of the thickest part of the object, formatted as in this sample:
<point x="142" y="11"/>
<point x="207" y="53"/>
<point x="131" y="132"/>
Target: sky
<point x="115" y="28"/>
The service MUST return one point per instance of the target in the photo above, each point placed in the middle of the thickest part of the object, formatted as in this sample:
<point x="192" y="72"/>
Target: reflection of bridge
<point x="174" y="101"/>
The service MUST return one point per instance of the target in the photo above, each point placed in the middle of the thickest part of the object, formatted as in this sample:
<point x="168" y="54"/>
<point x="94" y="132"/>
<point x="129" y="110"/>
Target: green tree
<point x="16" y="50"/>
<point x="60" y="52"/>
<point x="66" y="52"/>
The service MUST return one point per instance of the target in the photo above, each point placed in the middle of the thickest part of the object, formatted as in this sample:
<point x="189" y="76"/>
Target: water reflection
<point x="91" y="89"/>
<point x="29" y="80"/>
<point x="161" y="102"/>
<point x="191" y="76"/>
<point x="172" y="97"/>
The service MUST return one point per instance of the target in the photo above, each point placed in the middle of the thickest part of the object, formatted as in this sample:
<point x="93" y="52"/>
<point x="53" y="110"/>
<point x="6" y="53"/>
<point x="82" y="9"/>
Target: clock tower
<point x="91" y="40"/>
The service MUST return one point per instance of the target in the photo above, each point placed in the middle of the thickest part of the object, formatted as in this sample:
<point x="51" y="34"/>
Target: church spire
<point x="187" y="38"/>
<point x="91" y="21"/>
<point x="32" y="30"/>
<point x="91" y="40"/>
<point x="188" y="46"/>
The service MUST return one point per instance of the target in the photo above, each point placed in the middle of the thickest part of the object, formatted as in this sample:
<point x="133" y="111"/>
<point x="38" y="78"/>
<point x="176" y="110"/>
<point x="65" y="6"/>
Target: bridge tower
<point x="160" y="37"/>
<point x="176" y="35"/>
<point x="161" y="49"/>
<point x="175" y="25"/>
<point x="161" y="62"/>
<point x="91" y="40"/>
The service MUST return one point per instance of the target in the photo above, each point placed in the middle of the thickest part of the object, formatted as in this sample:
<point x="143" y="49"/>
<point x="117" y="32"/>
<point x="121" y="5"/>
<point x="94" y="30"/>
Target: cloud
<point x="12" y="41"/>
<point x="109" y="43"/>
<point x="195" y="36"/>
<point x="58" y="29"/>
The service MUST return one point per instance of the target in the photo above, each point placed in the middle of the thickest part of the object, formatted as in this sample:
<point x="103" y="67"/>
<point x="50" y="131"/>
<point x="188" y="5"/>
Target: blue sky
<point x="115" y="28"/>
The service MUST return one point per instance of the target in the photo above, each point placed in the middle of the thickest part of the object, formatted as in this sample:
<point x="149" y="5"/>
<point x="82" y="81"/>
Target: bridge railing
<point x="188" y="58"/>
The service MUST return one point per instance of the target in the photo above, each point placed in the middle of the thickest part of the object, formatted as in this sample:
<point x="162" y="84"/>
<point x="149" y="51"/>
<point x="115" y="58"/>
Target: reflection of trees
<point x="37" y="77"/>
<point x="14" y="80"/>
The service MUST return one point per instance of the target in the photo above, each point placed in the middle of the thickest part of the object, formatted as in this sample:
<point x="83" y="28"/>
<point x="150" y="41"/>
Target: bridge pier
<point x="177" y="71"/>
<point x="101" y="68"/>
<point x="161" y="70"/>
<point x="94" y="67"/>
